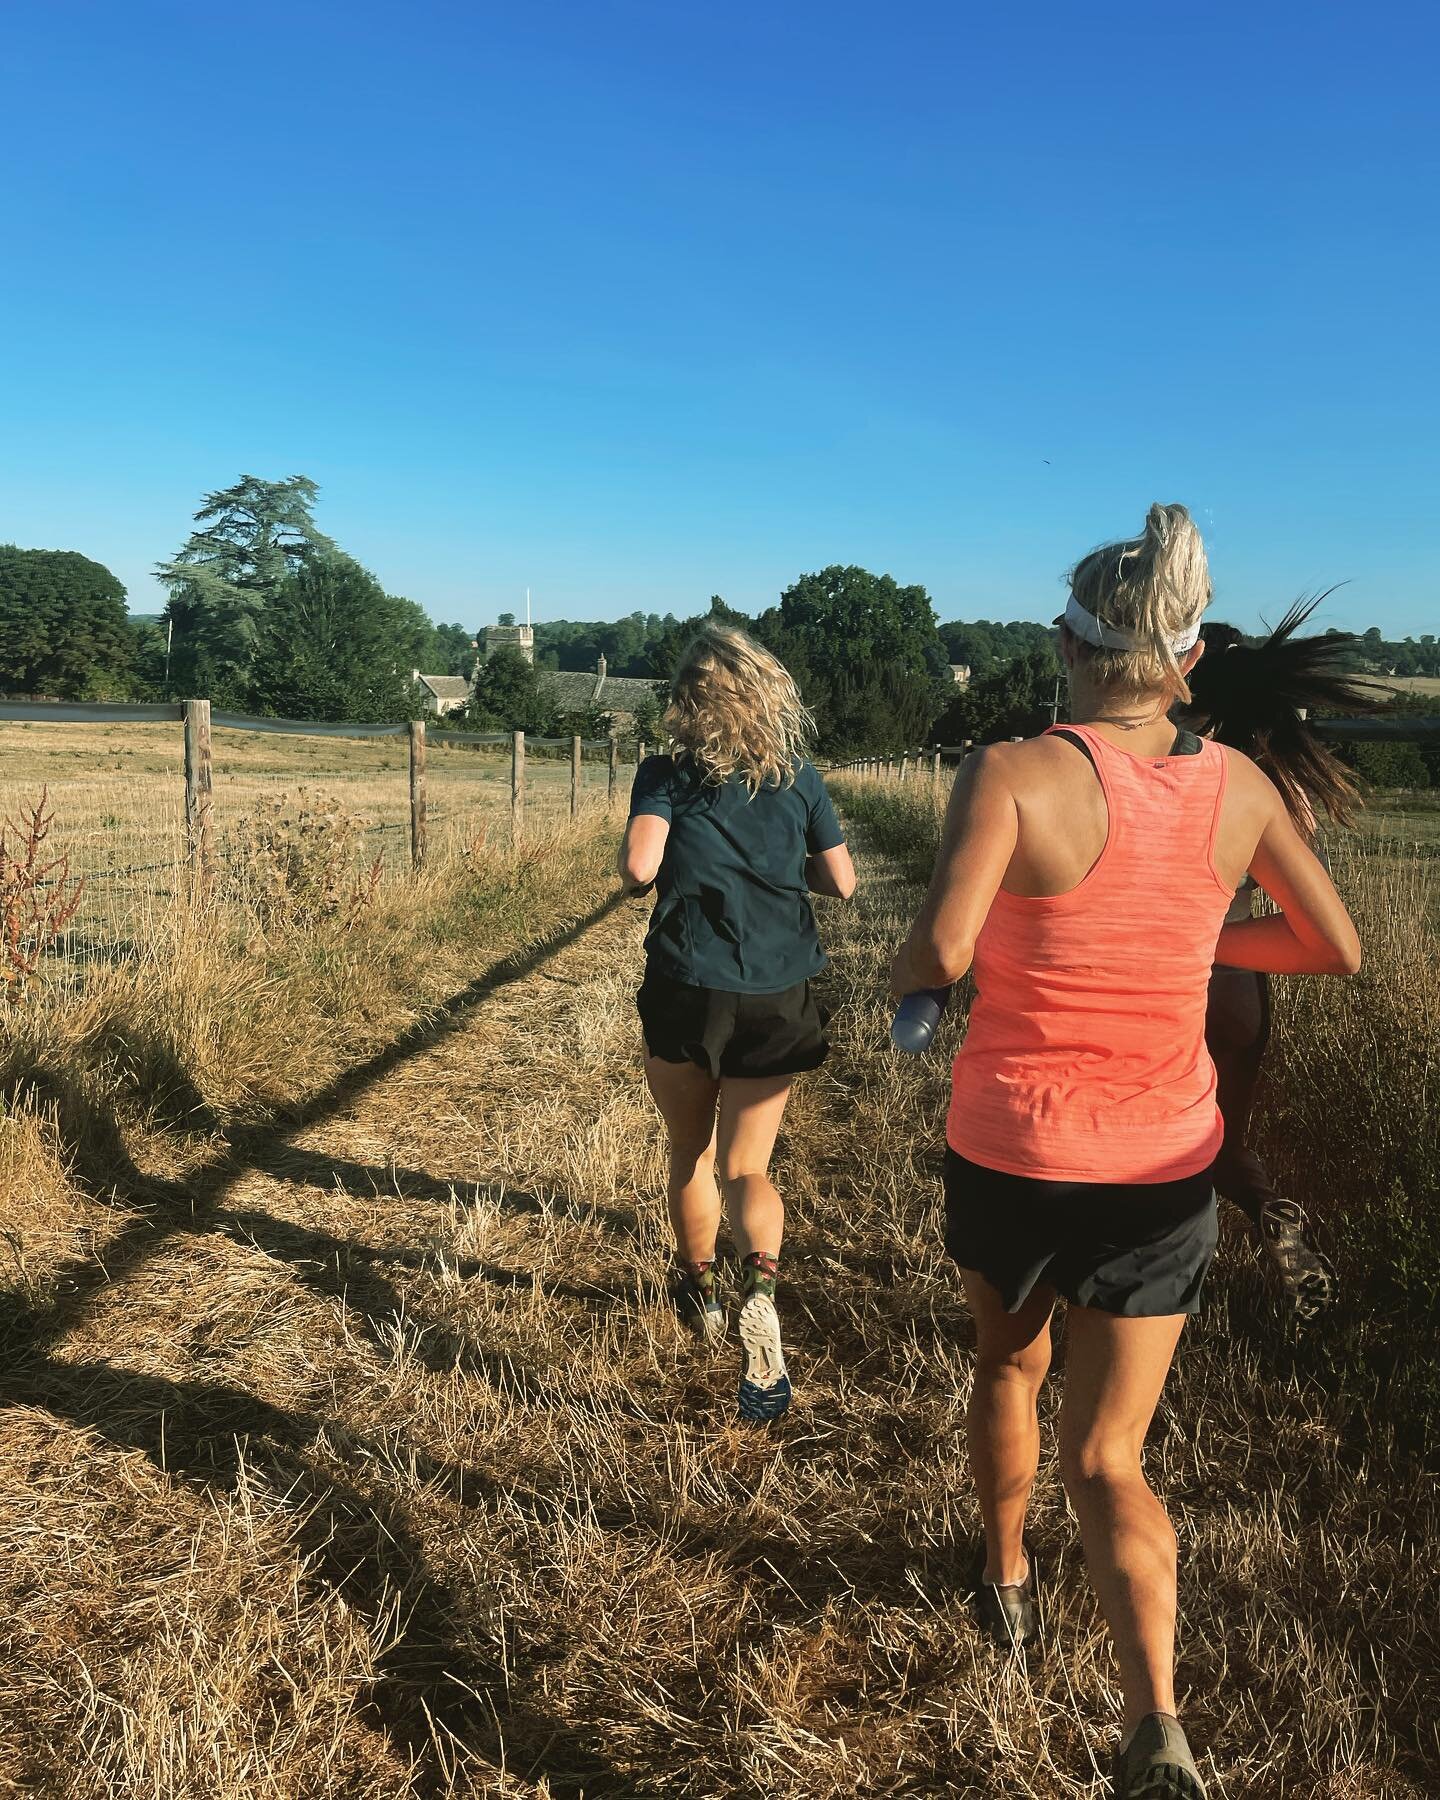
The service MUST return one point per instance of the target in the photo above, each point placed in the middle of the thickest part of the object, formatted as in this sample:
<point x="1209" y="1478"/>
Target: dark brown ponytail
<point x="1255" y="696"/>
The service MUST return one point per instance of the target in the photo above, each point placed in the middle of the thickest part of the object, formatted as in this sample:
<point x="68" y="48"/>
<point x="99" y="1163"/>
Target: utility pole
<point x="1055" y="703"/>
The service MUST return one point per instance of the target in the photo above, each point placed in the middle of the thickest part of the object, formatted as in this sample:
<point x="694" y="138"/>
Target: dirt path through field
<point x="396" y="1438"/>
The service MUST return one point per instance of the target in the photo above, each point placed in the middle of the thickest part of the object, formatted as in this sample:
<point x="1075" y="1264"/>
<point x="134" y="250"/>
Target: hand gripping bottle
<point x="916" y="1018"/>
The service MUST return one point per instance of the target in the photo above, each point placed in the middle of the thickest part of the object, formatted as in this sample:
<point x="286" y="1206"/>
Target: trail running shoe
<point x="698" y="1309"/>
<point x="1007" y="1611"/>
<point x="764" y="1385"/>
<point x="1156" y="1764"/>
<point x="1304" y="1273"/>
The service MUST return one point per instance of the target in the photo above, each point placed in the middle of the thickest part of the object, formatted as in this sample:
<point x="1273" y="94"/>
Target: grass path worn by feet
<point x="393" y="1475"/>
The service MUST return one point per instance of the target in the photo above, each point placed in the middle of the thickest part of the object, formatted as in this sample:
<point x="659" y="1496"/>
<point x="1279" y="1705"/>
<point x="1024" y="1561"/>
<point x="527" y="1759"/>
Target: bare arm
<point x="831" y="872"/>
<point x="981" y="829"/>
<point x="641" y="851"/>
<point x="1312" y="934"/>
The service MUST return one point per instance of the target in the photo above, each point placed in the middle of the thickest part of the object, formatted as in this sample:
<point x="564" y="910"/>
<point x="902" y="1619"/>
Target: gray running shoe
<point x="1304" y="1274"/>
<point x="1007" y="1611"/>
<point x="698" y="1309"/>
<point x="1156" y="1764"/>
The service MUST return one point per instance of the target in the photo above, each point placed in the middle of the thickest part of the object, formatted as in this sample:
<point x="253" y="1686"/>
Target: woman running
<point x="1086" y="875"/>
<point x="1255" y="698"/>
<point x="736" y="831"/>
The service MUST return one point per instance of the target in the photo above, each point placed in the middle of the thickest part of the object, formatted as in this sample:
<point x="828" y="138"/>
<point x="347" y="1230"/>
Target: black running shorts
<point x="1139" y="1250"/>
<point x="732" y="1034"/>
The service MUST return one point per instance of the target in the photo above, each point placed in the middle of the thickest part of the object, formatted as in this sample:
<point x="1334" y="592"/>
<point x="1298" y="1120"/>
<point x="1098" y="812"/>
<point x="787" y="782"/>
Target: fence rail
<point x="900" y="764"/>
<point x="200" y="721"/>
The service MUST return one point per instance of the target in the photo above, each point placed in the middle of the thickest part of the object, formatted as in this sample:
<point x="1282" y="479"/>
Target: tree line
<point x="265" y="613"/>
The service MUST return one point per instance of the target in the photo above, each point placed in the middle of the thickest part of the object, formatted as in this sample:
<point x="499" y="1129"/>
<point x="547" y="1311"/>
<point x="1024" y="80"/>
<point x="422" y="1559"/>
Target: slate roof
<point x="447" y="687"/>
<point x="574" y="689"/>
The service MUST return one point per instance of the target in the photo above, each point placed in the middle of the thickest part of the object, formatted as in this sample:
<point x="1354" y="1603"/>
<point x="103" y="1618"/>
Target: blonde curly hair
<point x="735" y="710"/>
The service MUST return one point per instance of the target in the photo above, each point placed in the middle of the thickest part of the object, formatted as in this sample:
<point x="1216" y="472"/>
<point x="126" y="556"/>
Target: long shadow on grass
<point x="373" y="1181"/>
<point x="92" y="1143"/>
<point x="357" y="1544"/>
<point x="356" y="1274"/>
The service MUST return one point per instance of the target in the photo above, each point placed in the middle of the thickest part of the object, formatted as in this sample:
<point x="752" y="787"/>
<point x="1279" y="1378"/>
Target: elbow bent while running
<point x="925" y="960"/>
<point x="831" y="872"/>
<point x="642" y="851"/>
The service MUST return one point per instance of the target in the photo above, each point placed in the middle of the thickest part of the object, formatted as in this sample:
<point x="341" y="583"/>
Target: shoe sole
<point x="1311" y="1294"/>
<point x="764" y="1384"/>
<point x="1164" y="1784"/>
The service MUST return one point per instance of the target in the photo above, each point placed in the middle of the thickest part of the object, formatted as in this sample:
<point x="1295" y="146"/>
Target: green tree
<point x="1392" y="765"/>
<point x="147" y="637"/>
<point x="647" y="717"/>
<point x="1014" y="700"/>
<point x="508" y="697"/>
<point x="335" y="645"/>
<point x="987" y="645"/>
<point x="252" y="537"/>
<point x="452" y="651"/>
<point x="666" y="645"/>
<point x="866" y="654"/>
<point x="64" y="629"/>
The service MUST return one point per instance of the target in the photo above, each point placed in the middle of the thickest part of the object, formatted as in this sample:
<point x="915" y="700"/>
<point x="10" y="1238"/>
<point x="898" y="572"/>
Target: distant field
<point x="1411" y="684"/>
<point x="117" y="793"/>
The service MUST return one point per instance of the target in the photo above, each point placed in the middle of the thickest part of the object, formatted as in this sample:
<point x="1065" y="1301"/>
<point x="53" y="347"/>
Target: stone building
<point x="510" y="637"/>
<point x="441" y="694"/>
<point x="575" y="690"/>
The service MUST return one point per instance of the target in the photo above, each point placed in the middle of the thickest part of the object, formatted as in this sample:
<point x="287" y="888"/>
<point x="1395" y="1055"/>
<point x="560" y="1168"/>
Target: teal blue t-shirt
<point x="732" y="909"/>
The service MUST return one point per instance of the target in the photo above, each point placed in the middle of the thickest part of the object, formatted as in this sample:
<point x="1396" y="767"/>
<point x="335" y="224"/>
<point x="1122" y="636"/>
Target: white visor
<point x="1105" y="636"/>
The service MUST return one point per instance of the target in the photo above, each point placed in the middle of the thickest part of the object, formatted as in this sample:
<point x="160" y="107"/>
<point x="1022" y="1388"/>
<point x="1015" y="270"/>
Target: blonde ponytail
<point x="1144" y="594"/>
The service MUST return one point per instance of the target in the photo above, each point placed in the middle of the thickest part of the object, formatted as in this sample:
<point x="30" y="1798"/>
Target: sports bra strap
<point x="1186" y="743"/>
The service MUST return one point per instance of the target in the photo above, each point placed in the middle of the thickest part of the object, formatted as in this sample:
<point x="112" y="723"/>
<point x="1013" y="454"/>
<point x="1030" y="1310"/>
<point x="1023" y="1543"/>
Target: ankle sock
<point x="761" y="1272"/>
<point x="702" y="1274"/>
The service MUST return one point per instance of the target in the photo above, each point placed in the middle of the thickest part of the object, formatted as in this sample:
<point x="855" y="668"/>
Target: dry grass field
<point x="118" y="795"/>
<point x="348" y="1449"/>
<point x="1411" y="684"/>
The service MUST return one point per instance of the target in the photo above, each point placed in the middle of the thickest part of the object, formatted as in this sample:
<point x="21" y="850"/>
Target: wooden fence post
<point x="967" y="746"/>
<point x="417" y="794"/>
<point x="574" y="777"/>
<point x="935" y="771"/>
<point x="904" y="763"/>
<point x="517" y="786"/>
<point x="639" y="751"/>
<point x="199" y="795"/>
<point x="613" y="771"/>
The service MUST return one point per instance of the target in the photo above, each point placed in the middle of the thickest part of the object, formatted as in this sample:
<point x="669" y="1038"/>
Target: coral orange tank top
<point x="1085" y="1055"/>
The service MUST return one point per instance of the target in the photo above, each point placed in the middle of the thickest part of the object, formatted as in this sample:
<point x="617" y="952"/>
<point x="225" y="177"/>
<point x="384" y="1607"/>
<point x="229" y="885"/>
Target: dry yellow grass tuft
<point x="361" y="1456"/>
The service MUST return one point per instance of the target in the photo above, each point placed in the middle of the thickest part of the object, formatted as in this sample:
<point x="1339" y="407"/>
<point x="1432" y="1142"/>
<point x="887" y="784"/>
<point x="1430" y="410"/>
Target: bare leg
<point x="1115" y="1370"/>
<point x="750" y="1113"/>
<point x="686" y="1098"/>
<point x="1012" y="1356"/>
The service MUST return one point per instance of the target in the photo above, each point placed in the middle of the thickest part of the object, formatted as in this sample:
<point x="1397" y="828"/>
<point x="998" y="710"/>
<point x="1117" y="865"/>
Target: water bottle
<point x="916" y="1017"/>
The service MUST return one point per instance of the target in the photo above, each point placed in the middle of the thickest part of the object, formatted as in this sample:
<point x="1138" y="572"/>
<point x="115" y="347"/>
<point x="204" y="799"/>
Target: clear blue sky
<point x="638" y="302"/>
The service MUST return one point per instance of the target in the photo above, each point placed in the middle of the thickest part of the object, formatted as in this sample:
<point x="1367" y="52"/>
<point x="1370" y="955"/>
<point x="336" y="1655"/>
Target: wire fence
<point x="147" y="803"/>
<point x="927" y="760"/>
